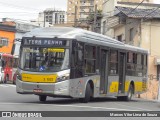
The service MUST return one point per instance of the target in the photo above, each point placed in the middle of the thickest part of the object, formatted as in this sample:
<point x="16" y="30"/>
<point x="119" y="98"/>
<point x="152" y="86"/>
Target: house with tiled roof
<point x="138" y="25"/>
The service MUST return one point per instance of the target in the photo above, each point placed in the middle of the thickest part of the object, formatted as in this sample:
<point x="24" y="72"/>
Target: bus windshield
<point x="40" y="59"/>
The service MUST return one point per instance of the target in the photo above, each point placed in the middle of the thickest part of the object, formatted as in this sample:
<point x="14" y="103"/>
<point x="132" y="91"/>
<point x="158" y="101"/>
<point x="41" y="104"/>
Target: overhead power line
<point x="136" y="7"/>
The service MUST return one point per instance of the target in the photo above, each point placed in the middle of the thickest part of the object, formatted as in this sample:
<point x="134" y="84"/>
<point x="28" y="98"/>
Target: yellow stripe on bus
<point x="139" y="87"/>
<point x="39" y="78"/>
<point x="113" y="87"/>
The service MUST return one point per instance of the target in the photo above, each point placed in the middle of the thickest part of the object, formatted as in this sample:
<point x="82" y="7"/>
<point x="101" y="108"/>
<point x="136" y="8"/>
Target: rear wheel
<point x="88" y="94"/>
<point x="42" y="98"/>
<point x="129" y="95"/>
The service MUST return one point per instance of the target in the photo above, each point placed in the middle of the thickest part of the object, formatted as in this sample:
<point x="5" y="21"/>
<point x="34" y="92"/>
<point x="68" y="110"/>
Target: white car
<point x="1" y="75"/>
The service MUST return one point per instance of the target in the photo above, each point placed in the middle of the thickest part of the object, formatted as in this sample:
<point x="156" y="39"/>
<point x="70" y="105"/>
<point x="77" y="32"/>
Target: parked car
<point x="1" y="77"/>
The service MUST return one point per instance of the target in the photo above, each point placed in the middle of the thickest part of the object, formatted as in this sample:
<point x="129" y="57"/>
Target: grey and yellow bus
<point x="76" y="63"/>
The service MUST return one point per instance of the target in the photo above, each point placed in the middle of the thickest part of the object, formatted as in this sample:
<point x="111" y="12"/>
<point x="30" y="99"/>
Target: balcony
<point x="115" y="22"/>
<point x="86" y="7"/>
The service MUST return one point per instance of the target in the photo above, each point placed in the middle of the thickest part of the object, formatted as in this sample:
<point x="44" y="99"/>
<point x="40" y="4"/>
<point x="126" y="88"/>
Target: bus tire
<point x="88" y="94"/>
<point x="42" y="98"/>
<point x="130" y="93"/>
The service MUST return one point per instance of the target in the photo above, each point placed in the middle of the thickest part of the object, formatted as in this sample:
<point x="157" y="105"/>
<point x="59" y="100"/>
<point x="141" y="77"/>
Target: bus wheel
<point x="130" y="93"/>
<point x="88" y="94"/>
<point x="42" y="98"/>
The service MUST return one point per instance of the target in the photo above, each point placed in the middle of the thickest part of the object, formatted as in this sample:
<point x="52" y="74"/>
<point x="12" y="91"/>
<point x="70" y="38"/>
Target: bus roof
<point x="81" y="35"/>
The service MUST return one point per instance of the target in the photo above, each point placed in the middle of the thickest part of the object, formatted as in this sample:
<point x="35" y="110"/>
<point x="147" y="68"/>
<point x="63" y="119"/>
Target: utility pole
<point x="95" y="19"/>
<point x="75" y="17"/>
<point x="44" y="19"/>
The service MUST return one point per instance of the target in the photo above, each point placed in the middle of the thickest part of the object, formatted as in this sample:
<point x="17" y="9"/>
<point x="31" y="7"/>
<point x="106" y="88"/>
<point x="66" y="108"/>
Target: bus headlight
<point x="62" y="78"/>
<point x="19" y="76"/>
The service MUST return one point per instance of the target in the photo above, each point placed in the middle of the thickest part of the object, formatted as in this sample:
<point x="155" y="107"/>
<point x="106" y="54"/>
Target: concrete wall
<point x="120" y="31"/>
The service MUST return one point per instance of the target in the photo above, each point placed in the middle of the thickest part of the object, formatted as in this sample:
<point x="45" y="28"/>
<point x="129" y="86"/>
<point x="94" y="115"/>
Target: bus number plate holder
<point x="37" y="90"/>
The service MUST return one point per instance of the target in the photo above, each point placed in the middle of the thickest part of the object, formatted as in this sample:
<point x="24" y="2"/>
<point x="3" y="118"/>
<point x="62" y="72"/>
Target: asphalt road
<point x="11" y="101"/>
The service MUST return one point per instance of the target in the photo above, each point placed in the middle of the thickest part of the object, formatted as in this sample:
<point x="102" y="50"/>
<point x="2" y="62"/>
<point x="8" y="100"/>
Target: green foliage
<point x="90" y="17"/>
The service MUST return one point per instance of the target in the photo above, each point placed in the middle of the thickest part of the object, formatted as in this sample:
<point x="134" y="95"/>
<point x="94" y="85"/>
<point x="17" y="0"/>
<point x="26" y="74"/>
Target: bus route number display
<point x="44" y="42"/>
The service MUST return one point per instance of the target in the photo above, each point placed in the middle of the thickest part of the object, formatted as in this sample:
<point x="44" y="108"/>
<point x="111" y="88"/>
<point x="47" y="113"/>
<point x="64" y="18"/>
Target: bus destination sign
<point x="44" y="42"/>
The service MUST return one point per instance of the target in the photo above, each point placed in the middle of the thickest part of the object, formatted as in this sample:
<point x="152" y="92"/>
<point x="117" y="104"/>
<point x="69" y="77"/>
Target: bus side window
<point x="113" y="62"/>
<point x="90" y="59"/>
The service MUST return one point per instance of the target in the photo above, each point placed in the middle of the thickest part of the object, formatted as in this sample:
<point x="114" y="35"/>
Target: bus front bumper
<point x="50" y="89"/>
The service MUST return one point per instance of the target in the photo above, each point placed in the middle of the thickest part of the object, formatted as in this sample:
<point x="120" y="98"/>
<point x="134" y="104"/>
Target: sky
<point x="157" y="1"/>
<point x="28" y="9"/>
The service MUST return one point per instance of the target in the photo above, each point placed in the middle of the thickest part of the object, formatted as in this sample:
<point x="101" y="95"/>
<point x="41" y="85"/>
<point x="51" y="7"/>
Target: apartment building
<point x="83" y="10"/>
<point x="50" y="17"/>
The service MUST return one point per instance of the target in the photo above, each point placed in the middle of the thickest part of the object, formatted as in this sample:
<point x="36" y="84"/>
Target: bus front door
<point x="122" y="68"/>
<point x="104" y="72"/>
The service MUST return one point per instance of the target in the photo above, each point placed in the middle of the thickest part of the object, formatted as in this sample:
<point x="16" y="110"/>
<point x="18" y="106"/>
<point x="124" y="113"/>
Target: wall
<point x="150" y="40"/>
<point x="132" y="23"/>
<point x="120" y="31"/>
<point x="10" y="36"/>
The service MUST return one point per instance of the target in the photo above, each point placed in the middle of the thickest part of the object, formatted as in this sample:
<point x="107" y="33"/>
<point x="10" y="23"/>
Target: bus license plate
<point x="37" y="90"/>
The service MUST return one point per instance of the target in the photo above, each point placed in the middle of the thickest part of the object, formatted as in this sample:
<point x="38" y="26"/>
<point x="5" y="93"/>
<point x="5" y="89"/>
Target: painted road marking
<point x="7" y="85"/>
<point x="80" y="106"/>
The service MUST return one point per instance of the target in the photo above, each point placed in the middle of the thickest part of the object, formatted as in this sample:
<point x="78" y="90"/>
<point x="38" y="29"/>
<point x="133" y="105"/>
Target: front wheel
<point x="88" y="94"/>
<point x="42" y="98"/>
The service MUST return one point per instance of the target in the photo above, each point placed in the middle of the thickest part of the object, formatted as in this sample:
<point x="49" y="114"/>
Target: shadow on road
<point x="75" y="101"/>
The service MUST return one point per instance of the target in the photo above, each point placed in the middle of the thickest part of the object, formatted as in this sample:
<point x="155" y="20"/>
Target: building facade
<point x="19" y="29"/>
<point x="7" y="36"/>
<point x="50" y="17"/>
<point x="137" y="27"/>
<point x="79" y="10"/>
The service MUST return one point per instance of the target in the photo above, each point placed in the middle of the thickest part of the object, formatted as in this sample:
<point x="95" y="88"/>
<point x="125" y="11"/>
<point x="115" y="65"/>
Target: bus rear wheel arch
<point x="129" y="94"/>
<point x="88" y="92"/>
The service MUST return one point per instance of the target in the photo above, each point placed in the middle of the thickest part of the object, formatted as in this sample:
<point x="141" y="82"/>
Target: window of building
<point x="119" y="38"/>
<point x="113" y="61"/>
<point x="76" y="2"/>
<point x="104" y="27"/>
<point x="131" y="35"/>
<point x="4" y="41"/>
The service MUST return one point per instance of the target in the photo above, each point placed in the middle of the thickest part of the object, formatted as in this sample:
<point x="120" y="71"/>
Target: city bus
<point x="8" y="67"/>
<point x="76" y="63"/>
<point x="14" y="68"/>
